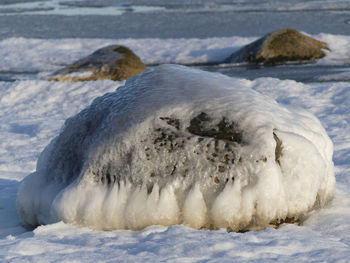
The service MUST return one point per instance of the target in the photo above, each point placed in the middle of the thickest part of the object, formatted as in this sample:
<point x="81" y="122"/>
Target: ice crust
<point x="181" y="146"/>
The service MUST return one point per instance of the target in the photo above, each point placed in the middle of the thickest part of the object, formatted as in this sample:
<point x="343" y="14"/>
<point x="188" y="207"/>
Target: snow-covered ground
<point x="33" y="111"/>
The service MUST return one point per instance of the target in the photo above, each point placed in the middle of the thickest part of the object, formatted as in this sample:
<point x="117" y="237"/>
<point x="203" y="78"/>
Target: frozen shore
<point x="35" y="110"/>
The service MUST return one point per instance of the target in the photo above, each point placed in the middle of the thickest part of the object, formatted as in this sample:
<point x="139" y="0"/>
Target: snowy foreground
<point x="33" y="112"/>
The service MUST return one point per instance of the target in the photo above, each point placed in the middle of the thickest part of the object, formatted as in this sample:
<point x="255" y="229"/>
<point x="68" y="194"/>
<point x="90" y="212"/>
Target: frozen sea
<point x="39" y="37"/>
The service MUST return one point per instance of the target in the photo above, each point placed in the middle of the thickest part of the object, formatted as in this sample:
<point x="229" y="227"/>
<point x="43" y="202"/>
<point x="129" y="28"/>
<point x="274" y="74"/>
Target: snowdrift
<point x="181" y="146"/>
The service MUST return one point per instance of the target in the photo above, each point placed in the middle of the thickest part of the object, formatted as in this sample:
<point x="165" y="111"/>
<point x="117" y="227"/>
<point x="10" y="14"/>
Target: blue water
<point x="169" y="19"/>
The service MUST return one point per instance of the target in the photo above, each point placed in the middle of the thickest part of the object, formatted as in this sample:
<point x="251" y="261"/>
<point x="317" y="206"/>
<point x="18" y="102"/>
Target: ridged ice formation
<point x="181" y="146"/>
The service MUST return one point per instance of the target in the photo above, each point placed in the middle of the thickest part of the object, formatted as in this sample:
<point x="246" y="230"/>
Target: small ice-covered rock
<point x="177" y="145"/>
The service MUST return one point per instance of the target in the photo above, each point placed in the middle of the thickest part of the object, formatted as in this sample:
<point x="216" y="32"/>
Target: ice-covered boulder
<point x="112" y="62"/>
<point x="281" y="46"/>
<point x="177" y="145"/>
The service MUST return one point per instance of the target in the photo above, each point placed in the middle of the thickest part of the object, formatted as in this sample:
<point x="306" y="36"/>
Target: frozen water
<point x="177" y="145"/>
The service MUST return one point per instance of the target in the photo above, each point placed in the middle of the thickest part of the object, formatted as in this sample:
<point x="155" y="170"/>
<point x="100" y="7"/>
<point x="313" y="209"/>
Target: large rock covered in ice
<point x="181" y="146"/>
<point x="285" y="45"/>
<point x="112" y="62"/>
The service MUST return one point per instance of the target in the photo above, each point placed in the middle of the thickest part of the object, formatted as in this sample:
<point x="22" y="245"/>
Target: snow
<point x="338" y="45"/>
<point x="33" y="112"/>
<point x="75" y="75"/>
<point x="48" y="55"/>
<point x="344" y="76"/>
<point x="30" y="117"/>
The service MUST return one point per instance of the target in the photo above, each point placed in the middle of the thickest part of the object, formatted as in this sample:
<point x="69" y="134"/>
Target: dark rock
<point x="112" y="62"/>
<point x="285" y="45"/>
<point x="278" y="149"/>
<point x="224" y="130"/>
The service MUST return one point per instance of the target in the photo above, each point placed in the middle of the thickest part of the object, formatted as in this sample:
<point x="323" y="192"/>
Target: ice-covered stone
<point x="181" y="146"/>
